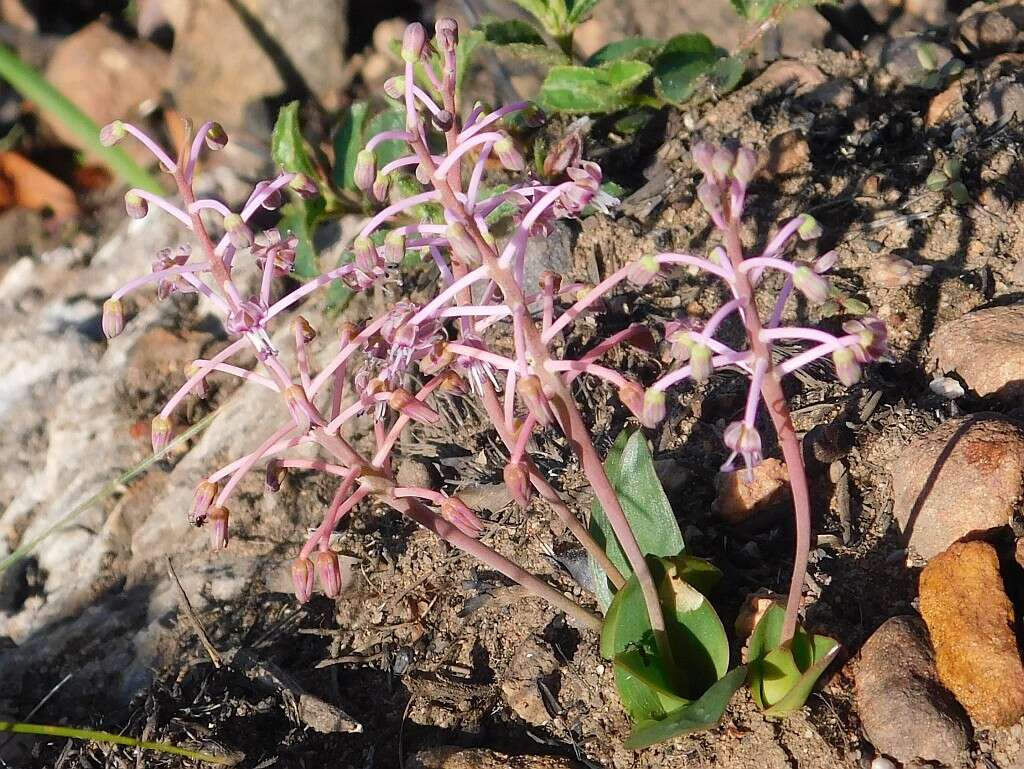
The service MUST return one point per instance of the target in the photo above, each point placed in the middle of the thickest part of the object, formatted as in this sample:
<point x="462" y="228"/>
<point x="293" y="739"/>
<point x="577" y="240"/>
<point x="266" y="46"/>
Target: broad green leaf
<point x="522" y="41"/>
<point x="702" y="714"/>
<point x="782" y="677"/>
<point x="543" y="12"/>
<point x="699" y="573"/>
<point x="636" y="48"/>
<point x="727" y="73"/>
<point x="630" y="469"/>
<point x="338" y="295"/>
<point x="300" y="217"/>
<point x="584" y="89"/>
<point x="759" y="10"/>
<point x="348" y="140"/>
<point x="647" y="669"/>
<point x="579" y="10"/>
<point x="288" y="148"/>
<point x="469" y="41"/>
<point x="680" y="63"/>
<point x="696" y="634"/>
<point x="388" y="120"/>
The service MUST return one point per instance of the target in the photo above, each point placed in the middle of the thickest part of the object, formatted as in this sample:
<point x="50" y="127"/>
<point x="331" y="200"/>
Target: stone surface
<point x="986" y="349"/>
<point x="475" y="758"/>
<point x="971" y="623"/>
<point x="965" y="476"/>
<point x="738" y="499"/>
<point x="899" y="57"/>
<point x="1002" y="101"/>
<point x="906" y="713"/>
<point x="108" y="75"/>
<point x="520" y="690"/>
<point x="231" y="55"/>
<point x="986" y="29"/>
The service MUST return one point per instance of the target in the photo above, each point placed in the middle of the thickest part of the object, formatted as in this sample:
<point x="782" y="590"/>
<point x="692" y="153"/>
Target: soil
<point x="425" y="646"/>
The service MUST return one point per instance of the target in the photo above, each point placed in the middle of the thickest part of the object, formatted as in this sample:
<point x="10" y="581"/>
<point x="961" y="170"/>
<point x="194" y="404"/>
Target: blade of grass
<point x="98" y="736"/>
<point x="27" y="547"/>
<point x="33" y="86"/>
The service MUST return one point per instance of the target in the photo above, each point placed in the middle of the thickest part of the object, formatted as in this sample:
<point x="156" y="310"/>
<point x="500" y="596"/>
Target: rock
<point x="738" y="499"/>
<point x="899" y="57"/>
<point x="1002" y="101"/>
<point x="415" y="473"/>
<point x="231" y="55"/>
<point x="971" y="623"/>
<point x="932" y="12"/>
<point x="964" y="477"/>
<point x="787" y="152"/>
<point x="906" y="713"/>
<point x="984" y="29"/>
<point x="476" y="758"/>
<point x="986" y="349"/>
<point x="551" y="253"/>
<point x="521" y="692"/>
<point x="946" y="105"/>
<point x="108" y="75"/>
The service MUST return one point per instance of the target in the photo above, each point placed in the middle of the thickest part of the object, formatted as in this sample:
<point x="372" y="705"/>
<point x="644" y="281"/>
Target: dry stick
<point x="778" y="408"/>
<point x="186" y="604"/>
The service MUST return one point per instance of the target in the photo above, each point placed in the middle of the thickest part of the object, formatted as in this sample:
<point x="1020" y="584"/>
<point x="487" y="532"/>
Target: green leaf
<point x="759" y="10"/>
<point x="348" y="140"/>
<point x="542" y="11"/>
<point x="584" y="89"/>
<point x="579" y="10"/>
<point x="647" y="669"/>
<point x="301" y="217"/>
<point x="696" y="635"/>
<point x="338" y="295"/>
<point x="727" y="72"/>
<point x="522" y="41"/>
<point x="701" y="574"/>
<point x="782" y="677"/>
<point x="682" y="60"/>
<point x="469" y="41"/>
<point x="287" y="146"/>
<point x="702" y="714"/>
<point x="388" y="120"/>
<point x="630" y="469"/>
<point x="636" y="48"/>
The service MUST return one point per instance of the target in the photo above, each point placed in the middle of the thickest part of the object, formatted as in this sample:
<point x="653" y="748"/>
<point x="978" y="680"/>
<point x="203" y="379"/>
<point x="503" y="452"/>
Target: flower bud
<point x="394" y="87"/>
<point x="644" y="270"/>
<point x="199" y="389"/>
<point x="700" y="362"/>
<point x="135" y="205"/>
<point x="517" y="481"/>
<point x="160" y="433"/>
<point x="459" y="515"/>
<point x="367" y="258"/>
<point x="443" y="121"/>
<point x="531" y="391"/>
<point x="328" y="571"/>
<point x="307" y="332"/>
<point x="381" y="187"/>
<point x="302" y="578"/>
<point x="826" y="262"/>
<point x="710" y="196"/>
<point x="239" y="233"/>
<point x="112" y="133"/>
<point x="404" y="402"/>
<point x="810" y="284"/>
<point x="303" y="186"/>
<point x="275" y="475"/>
<point x="394" y="247"/>
<point x="703" y="155"/>
<point x="216" y="137"/>
<point x="446" y="32"/>
<point x="299" y="407"/>
<point x="422" y="174"/>
<point x="510" y="157"/>
<point x="722" y="161"/>
<point x="743" y="439"/>
<point x="272" y="200"/>
<point x="809" y="228"/>
<point x="413" y="41"/>
<point x="218" y="518"/>
<point x="462" y="244"/>
<point x="566" y="152"/>
<point x="746" y="166"/>
<point x="653" y="409"/>
<point x="452" y="384"/>
<point x="206" y="492"/>
<point x="847" y="367"/>
<point x="113" y="318"/>
<point x="366" y="170"/>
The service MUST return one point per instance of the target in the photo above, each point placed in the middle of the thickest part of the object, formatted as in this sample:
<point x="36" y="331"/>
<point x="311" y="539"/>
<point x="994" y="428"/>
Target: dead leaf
<point x="35" y="188"/>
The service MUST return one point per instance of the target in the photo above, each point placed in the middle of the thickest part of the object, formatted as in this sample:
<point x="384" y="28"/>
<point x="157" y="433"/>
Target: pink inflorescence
<point x="410" y="353"/>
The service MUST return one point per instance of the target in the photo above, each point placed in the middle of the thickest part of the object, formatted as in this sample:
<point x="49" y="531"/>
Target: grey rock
<point x="1004" y="100"/>
<point x="987" y="29"/>
<point x="986" y="350"/>
<point x="899" y="57"/>
<point x="905" y="711"/>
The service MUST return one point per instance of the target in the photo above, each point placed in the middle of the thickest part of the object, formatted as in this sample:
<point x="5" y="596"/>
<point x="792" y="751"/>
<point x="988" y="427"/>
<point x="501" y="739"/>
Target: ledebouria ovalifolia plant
<point x="727" y="175"/>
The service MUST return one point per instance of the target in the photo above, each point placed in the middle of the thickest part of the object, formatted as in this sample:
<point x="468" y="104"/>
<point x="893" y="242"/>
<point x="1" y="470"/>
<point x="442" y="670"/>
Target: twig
<point x="186" y="604"/>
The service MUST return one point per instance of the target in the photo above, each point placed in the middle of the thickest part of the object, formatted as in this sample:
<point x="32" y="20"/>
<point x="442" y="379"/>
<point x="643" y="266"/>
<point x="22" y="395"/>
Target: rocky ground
<point x="428" y="659"/>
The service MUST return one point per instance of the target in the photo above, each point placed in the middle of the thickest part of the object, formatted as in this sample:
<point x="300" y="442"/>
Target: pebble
<point x="739" y="498"/>
<point x="986" y="29"/>
<point x="477" y="758"/>
<point x="906" y="713"/>
<point x="965" y="476"/>
<point x="971" y="622"/>
<point x="986" y="348"/>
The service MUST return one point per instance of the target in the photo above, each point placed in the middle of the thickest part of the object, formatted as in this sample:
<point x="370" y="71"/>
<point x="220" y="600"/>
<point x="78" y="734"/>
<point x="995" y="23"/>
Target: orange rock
<point x="786" y="153"/>
<point x="944" y="104"/>
<point x="739" y="498"/>
<point x="971" y="622"/>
